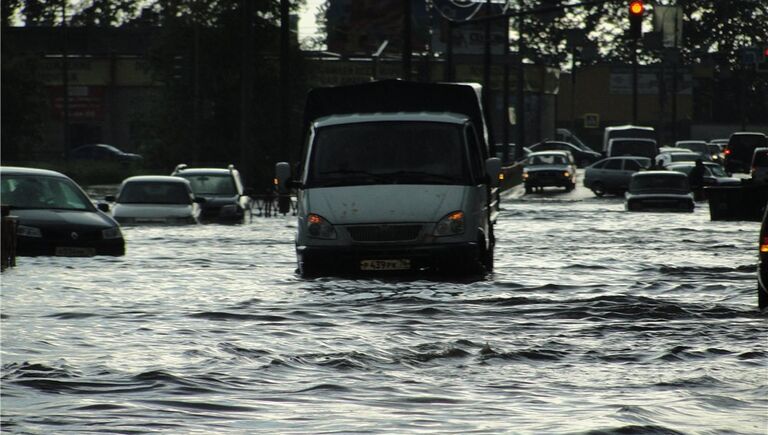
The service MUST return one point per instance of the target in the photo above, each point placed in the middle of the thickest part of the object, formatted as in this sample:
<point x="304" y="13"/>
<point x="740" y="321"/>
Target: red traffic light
<point x="636" y="8"/>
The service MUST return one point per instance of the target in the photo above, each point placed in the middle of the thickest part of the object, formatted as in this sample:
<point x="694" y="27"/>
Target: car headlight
<point x="111" y="233"/>
<point x="319" y="228"/>
<point x="525" y="175"/>
<point x="566" y="174"/>
<point x="26" y="231"/>
<point x="451" y="225"/>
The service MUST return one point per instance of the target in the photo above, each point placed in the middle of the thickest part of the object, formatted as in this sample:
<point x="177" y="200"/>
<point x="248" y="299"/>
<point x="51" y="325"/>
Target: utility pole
<point x="407" y="44"/>
<point x="65" y="78"/>
<point x="246" y="88"/>
<point x="285" y="78"/>
<point x="505" y="105"/>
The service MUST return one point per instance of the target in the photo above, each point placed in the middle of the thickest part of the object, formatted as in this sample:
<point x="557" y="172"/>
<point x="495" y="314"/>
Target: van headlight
<point x="451" y="225"/>
<point x="26" y="231"/>
<point x="111" y="233"/>
<point x="319" y="228"/>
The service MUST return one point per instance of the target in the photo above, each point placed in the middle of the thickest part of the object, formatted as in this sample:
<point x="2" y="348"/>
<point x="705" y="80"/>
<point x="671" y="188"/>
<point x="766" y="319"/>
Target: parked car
<point x="659" y="191"/>
<point x="716" y="153"/>
<point x="666" y="158"/>
<point x="612" y="175"/>
<point x="762" y="269"/>
<point x="697" y="146"/>
<point x="56" y="217"/>
<point x="714" y="174"/>
<point x="549" y="168"/>
<point x="565" y="135"/>
<point x="632" y="147"/>
<point x="226" y="200"/>
<point x="740" y="148"/>
<point x="104" y="153"/>
<point x="156" y="199"/>
<point x="583" y="158"/>
<point x="759" y="166"/>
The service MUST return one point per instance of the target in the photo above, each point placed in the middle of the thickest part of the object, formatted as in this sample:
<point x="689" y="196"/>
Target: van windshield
<point x="407" y="152"/>
<point x="628" y="147"/>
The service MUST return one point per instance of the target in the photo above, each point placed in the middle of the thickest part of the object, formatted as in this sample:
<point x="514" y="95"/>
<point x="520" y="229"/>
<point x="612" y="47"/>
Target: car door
<point x="629" y="167"/>
<point x="612" y="174"/>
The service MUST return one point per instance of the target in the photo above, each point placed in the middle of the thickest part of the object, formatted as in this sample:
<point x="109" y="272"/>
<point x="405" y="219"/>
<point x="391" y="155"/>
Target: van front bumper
<point x="453" y="257"/>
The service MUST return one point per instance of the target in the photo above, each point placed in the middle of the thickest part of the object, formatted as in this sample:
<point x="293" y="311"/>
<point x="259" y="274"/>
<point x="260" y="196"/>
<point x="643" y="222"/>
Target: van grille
<point x="384" y="233"/>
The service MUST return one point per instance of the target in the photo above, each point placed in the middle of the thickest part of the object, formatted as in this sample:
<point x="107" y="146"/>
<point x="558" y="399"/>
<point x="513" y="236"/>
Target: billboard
<point x="361" y="26"/>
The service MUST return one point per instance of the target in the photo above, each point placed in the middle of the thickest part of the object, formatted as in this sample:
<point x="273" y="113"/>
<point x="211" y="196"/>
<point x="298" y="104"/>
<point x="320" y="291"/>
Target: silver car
<point x="156" y="199"/>
<point x="611" y="175"/>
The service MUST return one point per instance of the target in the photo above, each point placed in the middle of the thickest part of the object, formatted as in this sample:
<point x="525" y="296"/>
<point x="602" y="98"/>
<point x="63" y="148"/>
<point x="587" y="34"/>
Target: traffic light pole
<point x="634" y="81"/>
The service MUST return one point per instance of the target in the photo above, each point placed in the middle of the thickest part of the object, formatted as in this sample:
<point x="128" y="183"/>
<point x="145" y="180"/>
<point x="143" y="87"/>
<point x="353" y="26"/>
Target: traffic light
<point x="636" y="11"/>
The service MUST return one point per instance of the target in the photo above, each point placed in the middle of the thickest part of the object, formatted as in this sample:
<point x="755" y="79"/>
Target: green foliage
<point x="23" y="101"/>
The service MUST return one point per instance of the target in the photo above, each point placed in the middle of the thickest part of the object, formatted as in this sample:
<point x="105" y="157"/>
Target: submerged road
<point x="595" y="320"/>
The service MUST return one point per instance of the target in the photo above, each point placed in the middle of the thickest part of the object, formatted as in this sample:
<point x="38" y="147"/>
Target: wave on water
<point x="224" y="316"/>
<point x="635" y="430"/>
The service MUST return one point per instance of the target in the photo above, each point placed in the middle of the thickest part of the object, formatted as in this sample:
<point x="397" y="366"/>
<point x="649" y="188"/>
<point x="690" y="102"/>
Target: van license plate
<point x="400" y="264"/>
<point x="71" y="251"/>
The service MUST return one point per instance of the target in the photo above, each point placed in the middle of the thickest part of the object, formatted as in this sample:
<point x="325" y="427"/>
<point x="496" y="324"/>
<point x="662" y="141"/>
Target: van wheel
<point x="598" y="189"/>
<point x="528" y="189"/>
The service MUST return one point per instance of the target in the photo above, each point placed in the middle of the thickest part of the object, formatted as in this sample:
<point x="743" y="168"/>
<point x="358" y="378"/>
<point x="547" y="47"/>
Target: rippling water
<point x="595" y="321"/>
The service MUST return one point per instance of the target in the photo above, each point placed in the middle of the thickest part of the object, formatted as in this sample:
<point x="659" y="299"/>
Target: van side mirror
<point x="102" y="206"/>
<point x="282" y="177"/>
<point x="493" y="169"/>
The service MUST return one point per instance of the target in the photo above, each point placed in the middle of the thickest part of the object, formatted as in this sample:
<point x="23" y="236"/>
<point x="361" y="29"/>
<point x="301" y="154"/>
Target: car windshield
<point x="761" y="159"/>
<point x="399" y="152"/>
<point x="211" y="184"/>
<point x="42" y="192"/>
<point x="547" y="159"/>
<point x="694" y="146"/>
<point x="153" y="192"/>
<point x="659" y="183"/>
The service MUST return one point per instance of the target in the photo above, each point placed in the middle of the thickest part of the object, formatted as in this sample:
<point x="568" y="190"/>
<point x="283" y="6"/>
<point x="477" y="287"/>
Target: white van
<point x="395" y="176"/>
<point x="627" y="131"/>
<point x="632" y="147"/>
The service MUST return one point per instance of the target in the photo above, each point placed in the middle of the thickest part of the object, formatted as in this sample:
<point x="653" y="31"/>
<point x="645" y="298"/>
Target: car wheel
<point x="570" y="187"/>
<point x="307" y="269"/>
<point x="598" y="189"/>
<point x="528" y="189"/>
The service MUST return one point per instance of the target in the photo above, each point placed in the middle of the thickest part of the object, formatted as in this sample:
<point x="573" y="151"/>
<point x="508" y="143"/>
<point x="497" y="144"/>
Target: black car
<point x="226" y="200"/>
<point x="582" y="157"/>
<point x="762" y="273"/>
<point x="714" y="174"/>
<point x="104" y="153"/>
<point x="56" y="217"/>
<point x="741" y="146"/>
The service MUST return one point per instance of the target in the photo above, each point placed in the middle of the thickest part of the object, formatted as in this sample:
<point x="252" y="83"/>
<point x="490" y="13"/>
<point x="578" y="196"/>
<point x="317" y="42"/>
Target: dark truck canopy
<point x="399" y="96"/>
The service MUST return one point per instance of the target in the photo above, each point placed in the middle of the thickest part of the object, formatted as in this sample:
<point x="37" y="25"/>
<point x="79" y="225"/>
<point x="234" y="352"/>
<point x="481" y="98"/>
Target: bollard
<point x="8" y="239"/>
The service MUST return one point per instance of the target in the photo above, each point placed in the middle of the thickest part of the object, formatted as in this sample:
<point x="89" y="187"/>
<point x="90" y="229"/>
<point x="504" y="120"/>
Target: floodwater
<point x="595" y="321"/>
